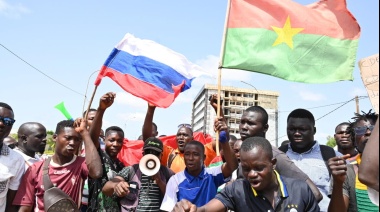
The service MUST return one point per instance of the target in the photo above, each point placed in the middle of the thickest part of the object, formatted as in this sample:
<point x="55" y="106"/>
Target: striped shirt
<point x="311" y="163"/>
<point x="149" y="196"/>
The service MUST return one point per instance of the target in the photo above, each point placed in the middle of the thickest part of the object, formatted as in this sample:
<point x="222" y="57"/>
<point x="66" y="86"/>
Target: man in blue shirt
<point x="196" y="183"/>
<point x="262" y="188"/>
<point x="307" y="153"/>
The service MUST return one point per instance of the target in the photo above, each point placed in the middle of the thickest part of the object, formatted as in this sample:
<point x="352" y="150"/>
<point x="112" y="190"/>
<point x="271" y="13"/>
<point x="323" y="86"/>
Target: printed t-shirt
<point x="11" y="171"/>
<point x="69" y="178"/>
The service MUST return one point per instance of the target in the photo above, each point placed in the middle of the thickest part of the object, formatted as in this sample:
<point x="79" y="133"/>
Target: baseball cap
<point x="153" y="144"/>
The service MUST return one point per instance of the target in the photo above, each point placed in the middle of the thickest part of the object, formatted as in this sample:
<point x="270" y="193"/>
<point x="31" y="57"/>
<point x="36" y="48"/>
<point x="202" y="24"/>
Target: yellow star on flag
<point x="286" y="33"/>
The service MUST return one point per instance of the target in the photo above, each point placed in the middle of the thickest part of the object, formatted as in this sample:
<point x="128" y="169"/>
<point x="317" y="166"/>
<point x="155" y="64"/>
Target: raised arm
<point x="93" y="161"/>
<point x="105" y="102"/>
<point x="214" y="104"/>
<point x="148" y="122"/>
<point x="231" y="163"/>
<point x="369" y="168"/>
<point x="338" y="202"/>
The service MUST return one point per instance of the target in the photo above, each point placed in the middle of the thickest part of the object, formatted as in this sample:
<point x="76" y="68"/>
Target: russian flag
<point x="149" y="70"/>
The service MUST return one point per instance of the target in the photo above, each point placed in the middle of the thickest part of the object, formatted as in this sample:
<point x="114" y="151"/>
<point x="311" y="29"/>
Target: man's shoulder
<point x="294" y="185"/>
<point x="14" y="157"/>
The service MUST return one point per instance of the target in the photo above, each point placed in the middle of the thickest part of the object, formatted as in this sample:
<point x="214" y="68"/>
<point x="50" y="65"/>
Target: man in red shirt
<point x="66" y="170"/>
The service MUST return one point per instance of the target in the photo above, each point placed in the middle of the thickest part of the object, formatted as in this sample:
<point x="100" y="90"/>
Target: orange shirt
<point x="178" y="163"/>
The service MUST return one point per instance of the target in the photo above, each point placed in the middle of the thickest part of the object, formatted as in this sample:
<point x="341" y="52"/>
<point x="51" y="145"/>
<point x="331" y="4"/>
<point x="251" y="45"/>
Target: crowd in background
<point x="249" y="175"/>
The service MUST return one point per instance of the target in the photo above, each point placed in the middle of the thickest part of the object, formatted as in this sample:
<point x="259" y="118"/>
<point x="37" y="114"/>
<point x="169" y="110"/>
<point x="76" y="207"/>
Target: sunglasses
<point x="362" y="130"/>
<point x="7" y="121"/>
<point x="185" y="125"/>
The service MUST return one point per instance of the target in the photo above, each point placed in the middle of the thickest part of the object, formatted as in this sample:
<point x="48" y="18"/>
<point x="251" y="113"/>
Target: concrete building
<point x="235" y="101"/>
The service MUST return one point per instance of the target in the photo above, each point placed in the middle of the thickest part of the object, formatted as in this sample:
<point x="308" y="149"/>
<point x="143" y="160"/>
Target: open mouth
<point x="255" y="183"/>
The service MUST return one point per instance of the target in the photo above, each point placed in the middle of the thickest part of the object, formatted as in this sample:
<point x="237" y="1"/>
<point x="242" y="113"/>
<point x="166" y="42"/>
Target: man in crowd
<point x="254" y="122"/>
<point x="137" y="191"/>
<point x="114" y="138"/>
<point x="308" y="154"/>
<point x="196" y="183"/>
<point x="344" y="141"/>
<point x="31" y="139"/>
<point x="262" y="188"/>
<point x="355" y="196"/>
<point x="174" y="158"/>
<point x="11" y="163"/>
<point x="66" y="170"/>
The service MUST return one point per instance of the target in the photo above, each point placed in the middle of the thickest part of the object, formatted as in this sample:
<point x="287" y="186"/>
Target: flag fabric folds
<point x="149" y="70"/>
<point x="316" y="43"/>
<point x="131" y="151"/>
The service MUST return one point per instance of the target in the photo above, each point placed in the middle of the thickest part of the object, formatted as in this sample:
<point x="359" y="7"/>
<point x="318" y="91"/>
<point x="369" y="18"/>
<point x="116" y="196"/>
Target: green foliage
<point x="331" y="141"/>
<point x="50" y="132"/>
<point x="14" y="135"/>
<point x="50" y="144"/>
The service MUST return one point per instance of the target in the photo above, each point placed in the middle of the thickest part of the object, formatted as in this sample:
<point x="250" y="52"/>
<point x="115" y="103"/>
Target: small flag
<point x="311" y="44"/>
<point x="149" y="70"/>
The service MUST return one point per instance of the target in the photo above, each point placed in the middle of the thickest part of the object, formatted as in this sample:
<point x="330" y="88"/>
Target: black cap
<point x="153" y="144"/>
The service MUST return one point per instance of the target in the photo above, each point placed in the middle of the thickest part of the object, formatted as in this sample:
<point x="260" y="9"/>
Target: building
<point x="235" y="101"/>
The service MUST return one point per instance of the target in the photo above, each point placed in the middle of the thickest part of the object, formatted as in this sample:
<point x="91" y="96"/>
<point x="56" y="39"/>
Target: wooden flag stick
<point x="89" y="104"/>
<point x="220" y="72"/>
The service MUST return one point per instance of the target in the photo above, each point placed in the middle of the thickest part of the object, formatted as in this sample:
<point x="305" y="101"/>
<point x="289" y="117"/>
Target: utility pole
<point x="357" y="104"/>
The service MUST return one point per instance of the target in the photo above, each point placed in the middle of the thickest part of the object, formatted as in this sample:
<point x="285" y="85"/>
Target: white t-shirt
<point x="11" y="171"/>
<point x="28" y="160"/>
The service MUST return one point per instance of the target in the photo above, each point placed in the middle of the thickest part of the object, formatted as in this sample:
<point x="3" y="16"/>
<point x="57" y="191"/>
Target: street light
<point x="250" y="85"/>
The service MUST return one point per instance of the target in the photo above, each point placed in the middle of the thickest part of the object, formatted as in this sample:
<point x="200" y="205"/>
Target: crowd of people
<point x="300" y="175"/>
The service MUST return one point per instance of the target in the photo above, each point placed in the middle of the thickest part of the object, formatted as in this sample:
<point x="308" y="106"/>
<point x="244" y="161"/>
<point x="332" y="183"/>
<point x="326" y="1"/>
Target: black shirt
<point x="293" y="196"/>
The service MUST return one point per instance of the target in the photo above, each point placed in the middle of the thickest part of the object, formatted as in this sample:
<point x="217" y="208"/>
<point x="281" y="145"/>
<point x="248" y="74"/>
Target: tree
<point x="331" y="141"/>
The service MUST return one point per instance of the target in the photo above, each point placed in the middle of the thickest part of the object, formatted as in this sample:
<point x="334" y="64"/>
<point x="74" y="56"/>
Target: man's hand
<point x="106" y="100"/>
<point x="338" y="168"/>
<point x="80" y="125"/>
<point x="214" y="101"/>
<point x="184" y="206"/>
<point x="220" y="125"/>
<point x="121" y="189"/>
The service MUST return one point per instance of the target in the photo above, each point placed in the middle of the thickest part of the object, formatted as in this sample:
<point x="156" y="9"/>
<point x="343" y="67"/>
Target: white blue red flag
<point x="149" y="70"/>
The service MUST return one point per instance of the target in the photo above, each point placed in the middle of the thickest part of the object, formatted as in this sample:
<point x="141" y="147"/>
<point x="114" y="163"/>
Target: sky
<point x="68" y="41"/>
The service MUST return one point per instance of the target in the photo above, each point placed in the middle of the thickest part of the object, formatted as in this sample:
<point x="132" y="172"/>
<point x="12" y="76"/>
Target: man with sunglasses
<point x="136" y="191"/>
<point x="11" y="163"/>
<point x="355" y="194"/>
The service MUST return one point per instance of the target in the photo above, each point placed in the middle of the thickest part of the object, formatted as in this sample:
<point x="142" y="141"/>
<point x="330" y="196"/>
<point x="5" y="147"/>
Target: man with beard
<point x="114" y="138"/>
<point x="11" y="163"/>
<point x="31" y="139"/>
<point x="344" y="141"/>
<point x="262" y="188"/>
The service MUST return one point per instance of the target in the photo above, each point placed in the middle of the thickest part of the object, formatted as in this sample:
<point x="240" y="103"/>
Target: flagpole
<point x="220" y="72"/>
<point x="89" y="104"/>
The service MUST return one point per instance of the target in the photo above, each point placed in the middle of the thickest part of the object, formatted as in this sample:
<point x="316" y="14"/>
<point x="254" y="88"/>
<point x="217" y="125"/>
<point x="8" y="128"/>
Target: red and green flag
<point x="316" y="43"/>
